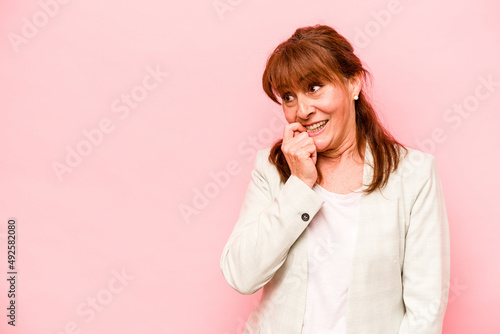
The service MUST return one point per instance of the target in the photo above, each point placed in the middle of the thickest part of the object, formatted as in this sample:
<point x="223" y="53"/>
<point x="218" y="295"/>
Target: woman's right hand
<point x="300" y="153"/>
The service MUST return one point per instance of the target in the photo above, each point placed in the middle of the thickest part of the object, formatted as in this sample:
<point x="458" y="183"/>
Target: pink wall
<point x="117" y="115"/>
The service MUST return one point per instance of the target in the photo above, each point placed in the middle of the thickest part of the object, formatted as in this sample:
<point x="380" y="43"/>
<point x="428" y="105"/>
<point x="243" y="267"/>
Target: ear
<point x="355" y="84"/>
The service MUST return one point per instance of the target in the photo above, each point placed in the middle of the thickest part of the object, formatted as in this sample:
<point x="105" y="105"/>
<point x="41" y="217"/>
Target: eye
<point x="314" y="88"/>
<point x="287" y="97"/>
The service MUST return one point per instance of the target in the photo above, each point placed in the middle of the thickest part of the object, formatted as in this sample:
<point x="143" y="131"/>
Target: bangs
<point x="295" y="67"/>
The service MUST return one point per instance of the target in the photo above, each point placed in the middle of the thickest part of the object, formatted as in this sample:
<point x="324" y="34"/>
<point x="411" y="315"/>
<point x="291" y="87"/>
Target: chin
<point x="319" y="147"/>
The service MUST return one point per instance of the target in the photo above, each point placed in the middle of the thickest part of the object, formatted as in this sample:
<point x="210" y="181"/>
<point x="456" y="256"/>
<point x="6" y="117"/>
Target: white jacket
<point x="401" y="264"/>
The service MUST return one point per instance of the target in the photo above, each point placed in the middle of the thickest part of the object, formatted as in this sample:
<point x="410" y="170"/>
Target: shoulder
<point x="416" y="165"/>
<point x="265" y="170"/>
<point x="262" y="159"/>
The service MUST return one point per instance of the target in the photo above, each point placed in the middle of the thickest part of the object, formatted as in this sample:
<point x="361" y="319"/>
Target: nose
<point x="305" y="107"/>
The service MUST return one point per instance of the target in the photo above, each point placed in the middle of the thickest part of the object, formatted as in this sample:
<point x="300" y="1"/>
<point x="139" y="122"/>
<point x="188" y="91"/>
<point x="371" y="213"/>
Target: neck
<point x="347" y="152"/>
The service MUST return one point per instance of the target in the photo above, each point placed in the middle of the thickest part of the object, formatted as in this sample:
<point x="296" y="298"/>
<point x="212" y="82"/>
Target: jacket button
<point x="305" y="217"/>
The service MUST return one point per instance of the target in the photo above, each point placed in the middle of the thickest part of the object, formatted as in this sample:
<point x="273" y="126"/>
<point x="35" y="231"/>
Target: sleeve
<point x="266" y="228"/>
<point x="426" y="266"/>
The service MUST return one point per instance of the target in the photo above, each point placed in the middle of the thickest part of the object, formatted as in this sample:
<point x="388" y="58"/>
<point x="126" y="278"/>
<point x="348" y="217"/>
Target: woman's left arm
<point x="426" y="267"/>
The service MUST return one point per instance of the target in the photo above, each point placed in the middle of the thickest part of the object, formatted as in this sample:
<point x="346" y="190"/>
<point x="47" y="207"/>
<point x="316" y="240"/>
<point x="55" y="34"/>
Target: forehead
<point x="294" y="67"/>
<point x="294" y="81"/>
<point x="295" y="84"/>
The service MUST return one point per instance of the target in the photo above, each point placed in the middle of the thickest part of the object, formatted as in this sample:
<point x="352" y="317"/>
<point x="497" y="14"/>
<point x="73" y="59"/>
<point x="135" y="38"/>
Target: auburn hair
<point x="319" y="54"/>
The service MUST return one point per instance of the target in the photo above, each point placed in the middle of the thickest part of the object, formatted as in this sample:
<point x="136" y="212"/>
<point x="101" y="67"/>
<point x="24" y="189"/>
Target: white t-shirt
<point x="330" y="244"/>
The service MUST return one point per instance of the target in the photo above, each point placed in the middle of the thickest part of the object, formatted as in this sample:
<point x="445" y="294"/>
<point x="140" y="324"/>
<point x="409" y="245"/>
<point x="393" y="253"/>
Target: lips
<point x="315" y="127"/>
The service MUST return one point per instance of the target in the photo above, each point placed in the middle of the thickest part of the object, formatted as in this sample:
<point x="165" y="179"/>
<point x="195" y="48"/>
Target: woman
<point x="344" y="228"/>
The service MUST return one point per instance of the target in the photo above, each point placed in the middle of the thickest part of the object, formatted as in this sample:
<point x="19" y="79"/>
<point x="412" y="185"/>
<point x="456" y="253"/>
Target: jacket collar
<point x="367" y="167"/>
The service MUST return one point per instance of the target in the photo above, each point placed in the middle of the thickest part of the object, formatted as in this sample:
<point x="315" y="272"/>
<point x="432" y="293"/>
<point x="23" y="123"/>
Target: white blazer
<point x="400" y="274"/>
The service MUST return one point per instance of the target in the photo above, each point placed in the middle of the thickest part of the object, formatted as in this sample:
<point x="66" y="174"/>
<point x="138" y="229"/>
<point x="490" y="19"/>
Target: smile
<point x="316" y="127"/>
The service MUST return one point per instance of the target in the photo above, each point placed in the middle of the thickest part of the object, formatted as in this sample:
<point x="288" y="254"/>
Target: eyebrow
<point x="305" y="78"/>
<point x="284" y="88"/>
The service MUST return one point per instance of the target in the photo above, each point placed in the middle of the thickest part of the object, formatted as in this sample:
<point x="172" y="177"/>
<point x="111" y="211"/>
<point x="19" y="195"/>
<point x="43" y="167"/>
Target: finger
<point x="290" y="130"/>
<point x="304" y="149"/>
<point x="310" y="147"/>
<point x="303" y="140"/>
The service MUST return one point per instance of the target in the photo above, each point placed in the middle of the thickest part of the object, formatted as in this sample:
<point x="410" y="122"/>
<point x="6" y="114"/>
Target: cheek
<point x="289" y="115"/>
<point x="338" y="109"/>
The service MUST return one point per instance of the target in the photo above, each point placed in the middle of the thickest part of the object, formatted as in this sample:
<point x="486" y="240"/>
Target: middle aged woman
<point x="344" y="227"/>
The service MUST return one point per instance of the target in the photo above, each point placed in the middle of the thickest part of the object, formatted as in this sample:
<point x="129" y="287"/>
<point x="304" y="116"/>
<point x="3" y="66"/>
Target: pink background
<point x="104" y="246"/>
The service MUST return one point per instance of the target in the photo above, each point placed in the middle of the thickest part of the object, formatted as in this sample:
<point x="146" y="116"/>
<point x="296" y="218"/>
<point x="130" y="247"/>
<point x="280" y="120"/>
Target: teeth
<point x="316" y="127"/>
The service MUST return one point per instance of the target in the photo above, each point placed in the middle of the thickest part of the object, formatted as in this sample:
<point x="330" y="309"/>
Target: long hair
<point x="320" y="54"/>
